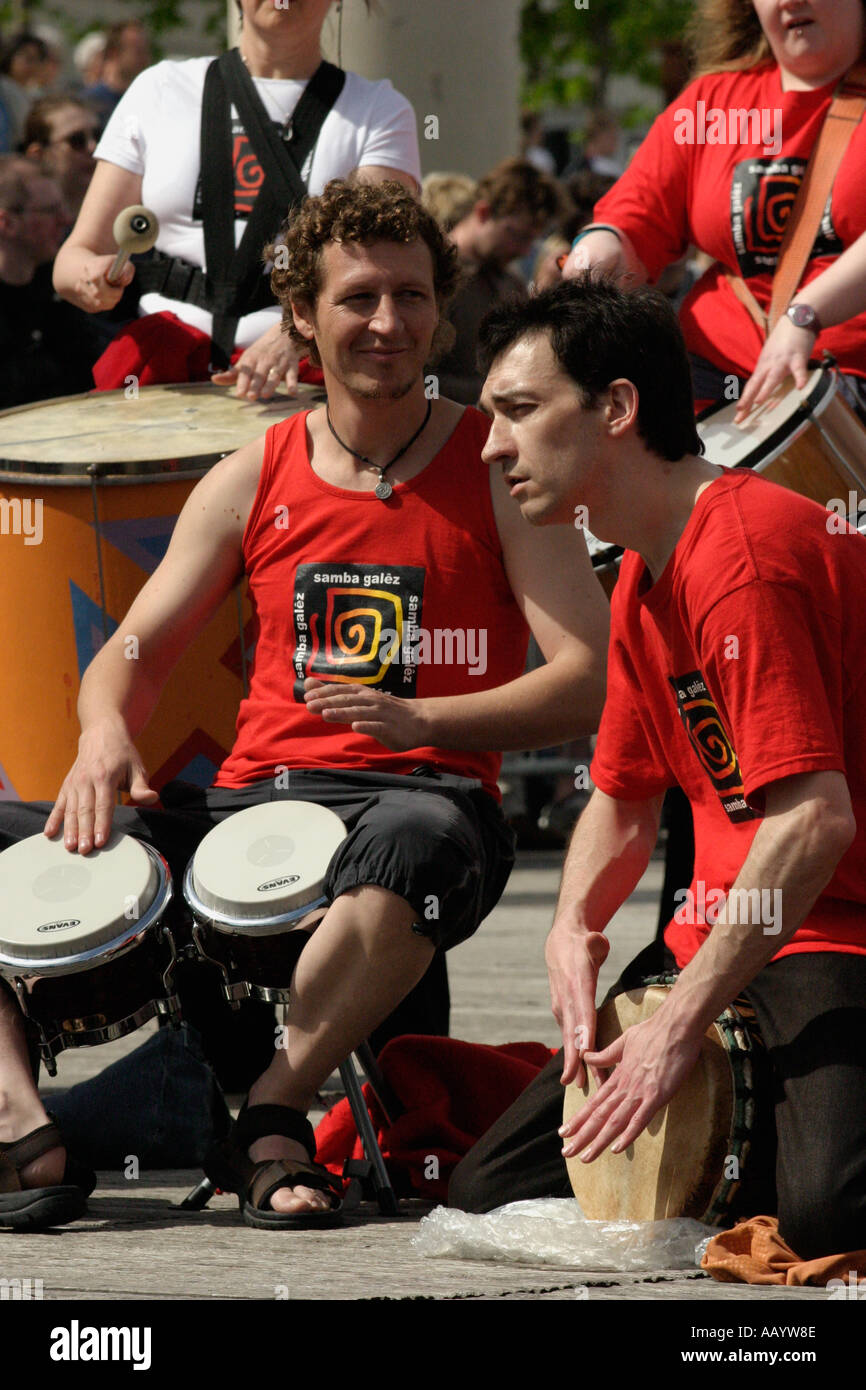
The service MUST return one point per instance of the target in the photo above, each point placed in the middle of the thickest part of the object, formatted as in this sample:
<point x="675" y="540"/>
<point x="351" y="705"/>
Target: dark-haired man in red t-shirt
<point x="737" y="670"/>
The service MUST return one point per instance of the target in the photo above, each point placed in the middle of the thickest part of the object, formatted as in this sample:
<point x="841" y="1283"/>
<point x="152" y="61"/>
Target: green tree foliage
<point x="160" y="17"/>
<point x="571" y="53"/>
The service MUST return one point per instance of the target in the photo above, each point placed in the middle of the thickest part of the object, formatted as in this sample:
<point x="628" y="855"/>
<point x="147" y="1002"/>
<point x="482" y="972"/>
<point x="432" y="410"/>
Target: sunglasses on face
<point x="78" y="140"/>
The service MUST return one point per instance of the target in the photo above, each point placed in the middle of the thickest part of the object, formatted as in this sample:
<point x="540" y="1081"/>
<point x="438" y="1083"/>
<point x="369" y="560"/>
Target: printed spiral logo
<point x="768" y="211"/>
<point x="354" y="646"/>
<point x="710" y="741"/>
<point x="249" y="175"/>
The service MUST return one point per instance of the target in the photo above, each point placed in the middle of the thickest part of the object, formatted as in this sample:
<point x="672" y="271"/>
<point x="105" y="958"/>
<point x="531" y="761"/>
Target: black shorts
<point x="439" y="841"/>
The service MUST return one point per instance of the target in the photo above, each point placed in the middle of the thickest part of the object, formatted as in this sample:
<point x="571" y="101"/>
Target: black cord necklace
<point x="383" y="488"/>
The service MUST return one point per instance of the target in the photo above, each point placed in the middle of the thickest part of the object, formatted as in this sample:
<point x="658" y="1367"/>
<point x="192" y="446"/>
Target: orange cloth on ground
<point x="753" y="1252"/>
<point x="452" y="1092"/>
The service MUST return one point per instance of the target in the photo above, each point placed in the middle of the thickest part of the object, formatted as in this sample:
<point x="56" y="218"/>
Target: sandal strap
<point x="277" y="1173"/>
<point x="20" y="1152"/>
<point x="259" y="1121"/>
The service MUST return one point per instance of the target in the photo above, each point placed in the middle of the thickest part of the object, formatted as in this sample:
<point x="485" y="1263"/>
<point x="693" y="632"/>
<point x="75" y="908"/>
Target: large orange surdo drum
<point x="90" y="489"/>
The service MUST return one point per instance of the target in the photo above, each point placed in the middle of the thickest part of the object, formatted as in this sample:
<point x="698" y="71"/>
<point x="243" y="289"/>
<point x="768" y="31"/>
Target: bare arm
<point x="609" y="851"/>
<point x="85" y="257"/>
<point x="836" y="295"/>
<point x="553" y="582"/>
<point x="123" y="683"/>
<point x="807" y="827"/>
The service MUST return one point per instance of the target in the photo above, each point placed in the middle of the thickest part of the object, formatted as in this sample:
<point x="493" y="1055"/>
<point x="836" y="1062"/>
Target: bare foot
<point x="289" y="1199"/>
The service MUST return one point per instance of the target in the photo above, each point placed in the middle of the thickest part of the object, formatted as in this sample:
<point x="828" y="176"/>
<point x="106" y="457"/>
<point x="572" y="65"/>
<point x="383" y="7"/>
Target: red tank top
<point x="408" y="595"/>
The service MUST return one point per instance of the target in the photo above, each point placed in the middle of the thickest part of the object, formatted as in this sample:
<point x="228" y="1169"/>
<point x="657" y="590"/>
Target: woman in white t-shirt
<point x="150" y="154"/>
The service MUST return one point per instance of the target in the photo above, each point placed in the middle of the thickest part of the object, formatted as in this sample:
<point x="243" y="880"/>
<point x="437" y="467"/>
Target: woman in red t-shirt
<point x="720" y="169"/>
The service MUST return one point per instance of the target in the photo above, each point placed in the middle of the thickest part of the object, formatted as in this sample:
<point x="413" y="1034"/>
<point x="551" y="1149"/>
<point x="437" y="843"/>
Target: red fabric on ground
<point x="162" y="350"/>
<point x="453" y="1091"/>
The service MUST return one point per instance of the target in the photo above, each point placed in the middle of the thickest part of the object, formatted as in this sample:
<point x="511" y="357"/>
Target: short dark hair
<point x="14" y="45"/>
<point x="598" y="333"/>
<point x="16" y="179"/>
<point x="38" y="130"/>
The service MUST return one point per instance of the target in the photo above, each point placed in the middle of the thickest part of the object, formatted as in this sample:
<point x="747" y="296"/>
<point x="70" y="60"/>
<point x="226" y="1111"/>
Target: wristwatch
<point x="804" y="316"/>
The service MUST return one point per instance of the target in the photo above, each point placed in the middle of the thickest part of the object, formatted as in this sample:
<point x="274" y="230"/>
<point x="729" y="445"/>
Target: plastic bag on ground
<point x="554" y="1231"/>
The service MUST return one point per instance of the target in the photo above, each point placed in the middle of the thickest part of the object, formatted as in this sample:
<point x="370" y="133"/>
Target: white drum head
<point x="729" y="445"/>
<point x="60" y="904"/>
<point x="266" y="861"/>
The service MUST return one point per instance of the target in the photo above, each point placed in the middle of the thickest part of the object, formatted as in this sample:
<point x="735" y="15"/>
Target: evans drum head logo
<point x="273" y="883"/>
<point x="60" y="926"/>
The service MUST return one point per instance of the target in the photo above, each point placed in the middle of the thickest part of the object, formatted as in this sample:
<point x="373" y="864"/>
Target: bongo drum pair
<point x="85" y="942"/>
<point x="709" y="1153"/>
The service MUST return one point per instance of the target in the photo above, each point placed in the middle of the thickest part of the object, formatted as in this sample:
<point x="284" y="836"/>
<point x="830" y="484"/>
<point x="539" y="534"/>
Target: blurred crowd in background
<point x="512" y="227"/>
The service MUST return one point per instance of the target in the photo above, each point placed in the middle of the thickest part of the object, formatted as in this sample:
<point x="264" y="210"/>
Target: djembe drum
<point x="708" y="1153"/>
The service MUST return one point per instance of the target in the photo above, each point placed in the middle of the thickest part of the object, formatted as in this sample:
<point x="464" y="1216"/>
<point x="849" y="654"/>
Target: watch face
<point x="802" y="315"/>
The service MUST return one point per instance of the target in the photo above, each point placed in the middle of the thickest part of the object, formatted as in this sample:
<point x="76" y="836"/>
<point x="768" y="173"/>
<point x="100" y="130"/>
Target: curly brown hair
<point x="726" y="36"/>
<point x="516" y="186"/>
<point x="363" y="213"/>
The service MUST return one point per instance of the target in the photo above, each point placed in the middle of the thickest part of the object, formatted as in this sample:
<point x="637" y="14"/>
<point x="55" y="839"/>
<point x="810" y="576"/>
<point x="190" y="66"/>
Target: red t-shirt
<point x="744" y="663"/>
<point x="733" y="200"/>
<point x="408" y="595"/>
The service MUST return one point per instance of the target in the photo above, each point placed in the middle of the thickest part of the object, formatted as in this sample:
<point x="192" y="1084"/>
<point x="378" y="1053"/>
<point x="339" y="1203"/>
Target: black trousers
<point x="811" y="1010"/>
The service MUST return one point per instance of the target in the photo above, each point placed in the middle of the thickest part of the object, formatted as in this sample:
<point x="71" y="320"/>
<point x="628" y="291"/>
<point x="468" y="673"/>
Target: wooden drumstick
<point x="135" y="229"/>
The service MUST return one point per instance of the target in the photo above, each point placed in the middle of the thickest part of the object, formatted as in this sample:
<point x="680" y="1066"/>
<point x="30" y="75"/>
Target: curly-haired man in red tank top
<point x="394" y="585"/>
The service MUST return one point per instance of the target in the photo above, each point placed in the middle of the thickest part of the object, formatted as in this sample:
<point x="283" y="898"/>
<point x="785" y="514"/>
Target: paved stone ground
<point x="133" y="1245"/>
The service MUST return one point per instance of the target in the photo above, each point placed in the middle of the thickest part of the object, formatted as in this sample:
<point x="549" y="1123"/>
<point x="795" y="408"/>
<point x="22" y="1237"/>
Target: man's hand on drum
<point x="650" y="1062"/>
<point x="106" y="762"/>
<point x="395" y="723"/>
<point x="785" y="353"/>
<point x="574" y="957"/>
<point x="92" y="292"/>
<point x="269" y="362"/>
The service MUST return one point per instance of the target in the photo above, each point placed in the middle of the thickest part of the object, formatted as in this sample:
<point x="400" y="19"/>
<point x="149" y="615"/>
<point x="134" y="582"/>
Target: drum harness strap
<point x="842" y="119"/>
<point x="234" y="283"/>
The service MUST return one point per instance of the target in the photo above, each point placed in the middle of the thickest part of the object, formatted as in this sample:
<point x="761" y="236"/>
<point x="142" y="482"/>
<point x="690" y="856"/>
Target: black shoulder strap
<point x="282" y="160"/>
<point x="234" y="276"/>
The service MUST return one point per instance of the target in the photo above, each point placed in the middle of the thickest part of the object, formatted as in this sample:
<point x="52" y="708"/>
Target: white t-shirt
<point x="155" y="132"/>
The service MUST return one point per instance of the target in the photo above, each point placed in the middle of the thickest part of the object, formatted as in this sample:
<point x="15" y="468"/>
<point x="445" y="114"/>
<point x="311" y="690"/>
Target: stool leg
<point x="384" y="1093"/>
<point x="198" y="1198"/>
<point x="388" y="1204"/>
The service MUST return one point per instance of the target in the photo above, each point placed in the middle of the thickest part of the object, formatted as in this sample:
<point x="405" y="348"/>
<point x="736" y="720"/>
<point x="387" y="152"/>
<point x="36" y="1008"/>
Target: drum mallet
<point x="135" y="230"/>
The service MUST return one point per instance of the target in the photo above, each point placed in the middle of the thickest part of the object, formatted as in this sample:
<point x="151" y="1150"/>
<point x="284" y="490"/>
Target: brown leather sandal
<point x="230" y="1168"/>
<point x="37" y="1208"/>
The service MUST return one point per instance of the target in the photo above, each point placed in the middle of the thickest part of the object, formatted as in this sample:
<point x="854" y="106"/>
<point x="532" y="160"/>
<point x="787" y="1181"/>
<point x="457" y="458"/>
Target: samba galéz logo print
<point x="710" y="740"/>
<point x="762" y="196"/>
<point x="358" y="624"/>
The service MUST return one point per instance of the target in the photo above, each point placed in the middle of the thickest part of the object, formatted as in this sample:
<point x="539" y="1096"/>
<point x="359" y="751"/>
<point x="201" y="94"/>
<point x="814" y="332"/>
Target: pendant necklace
<point x="383" y="488"/>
